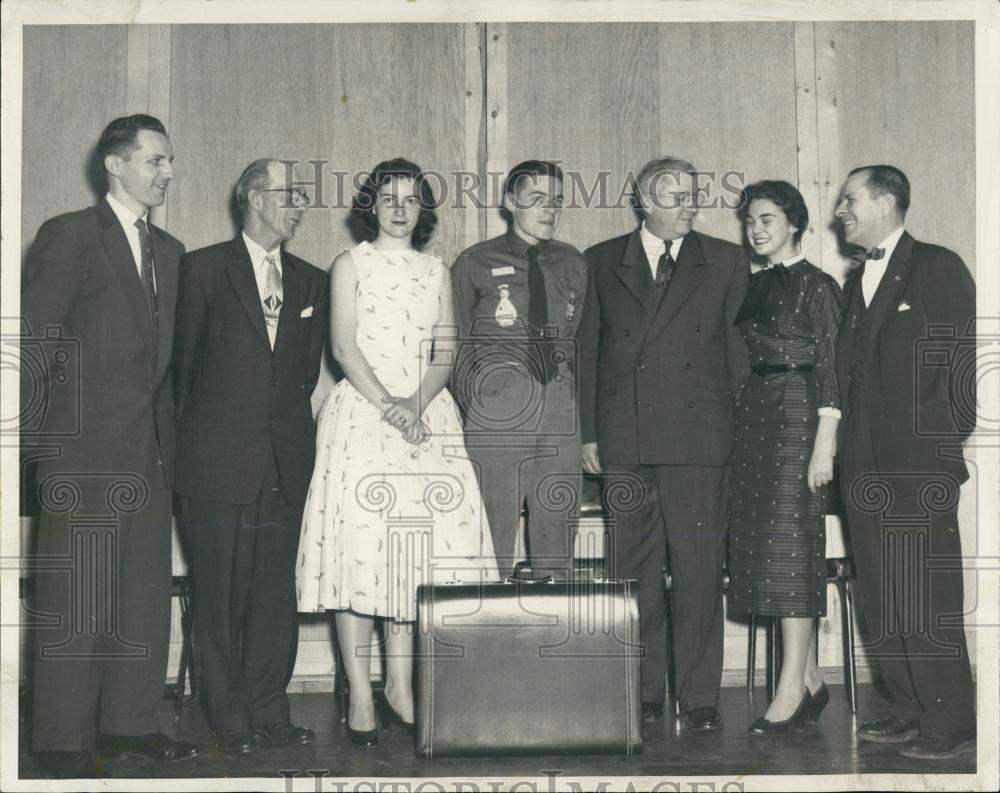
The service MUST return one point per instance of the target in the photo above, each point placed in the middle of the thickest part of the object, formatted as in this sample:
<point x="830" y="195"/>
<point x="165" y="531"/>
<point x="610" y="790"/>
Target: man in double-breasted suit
<point x="906" y="361"/>
<point x="660" y="364"/>
<point x="97" y="302"/>
<point x="251" y="319"/>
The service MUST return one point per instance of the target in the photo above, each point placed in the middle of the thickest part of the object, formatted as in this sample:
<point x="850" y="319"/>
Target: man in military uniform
<point x="517" y="301"/>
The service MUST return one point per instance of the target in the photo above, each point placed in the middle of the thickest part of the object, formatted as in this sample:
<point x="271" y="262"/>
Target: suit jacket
<point x="919" y="382"/>
<point x="658" y="377"/>
<point x="87" y="332"/>
<point x="237" y="401"/>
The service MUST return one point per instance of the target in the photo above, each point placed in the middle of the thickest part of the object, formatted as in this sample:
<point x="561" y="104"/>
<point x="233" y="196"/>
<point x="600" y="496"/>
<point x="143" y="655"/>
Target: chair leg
<point x="850" y="661"/>
<point x="185" y="667"/>
<point x="751" y="651"/>
<point x="773" y="656"/>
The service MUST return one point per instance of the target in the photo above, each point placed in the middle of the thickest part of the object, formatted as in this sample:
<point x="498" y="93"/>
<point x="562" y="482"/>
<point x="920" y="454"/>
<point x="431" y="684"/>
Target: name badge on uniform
<point x="498" y="271"/>
<point x="505" y="313"/>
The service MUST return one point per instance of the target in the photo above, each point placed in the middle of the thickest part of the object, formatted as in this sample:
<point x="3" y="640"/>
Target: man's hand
<point x="416" y="434"/>
<point x="591" y="462"/>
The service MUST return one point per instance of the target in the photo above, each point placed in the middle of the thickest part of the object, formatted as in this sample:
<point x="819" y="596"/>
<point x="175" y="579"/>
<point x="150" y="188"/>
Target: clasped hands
<point x="403" y="413"/>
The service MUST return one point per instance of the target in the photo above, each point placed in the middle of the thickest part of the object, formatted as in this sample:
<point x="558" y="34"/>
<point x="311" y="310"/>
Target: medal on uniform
<point x="505" y="313"/>
<point x="571" y="306"/>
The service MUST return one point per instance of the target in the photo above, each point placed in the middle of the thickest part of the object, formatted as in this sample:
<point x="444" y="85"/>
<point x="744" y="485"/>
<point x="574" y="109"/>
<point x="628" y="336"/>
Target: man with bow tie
<point x="251" y="320"/>
<point x="906" y="365"/>
<point x="660" y="366"/>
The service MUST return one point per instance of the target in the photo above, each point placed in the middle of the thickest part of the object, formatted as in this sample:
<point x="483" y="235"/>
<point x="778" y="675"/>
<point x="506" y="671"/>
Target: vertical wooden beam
<point x="474" y="215"/>
<point x="807" y="136"/>
<point x="148" y="83"/>
<point x="496" y="123"/>
<point x="828" y="121"/>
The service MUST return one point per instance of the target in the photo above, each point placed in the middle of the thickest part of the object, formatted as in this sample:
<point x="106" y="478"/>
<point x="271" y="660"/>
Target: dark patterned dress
<point x="777" y="543"/>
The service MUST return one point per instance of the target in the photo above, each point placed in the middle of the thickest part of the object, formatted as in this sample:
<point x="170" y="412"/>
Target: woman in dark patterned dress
<point x="786" y="422"/>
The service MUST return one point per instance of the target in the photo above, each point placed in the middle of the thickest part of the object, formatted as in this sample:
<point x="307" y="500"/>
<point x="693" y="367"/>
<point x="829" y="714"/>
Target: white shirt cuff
<point x="828" y="411"/>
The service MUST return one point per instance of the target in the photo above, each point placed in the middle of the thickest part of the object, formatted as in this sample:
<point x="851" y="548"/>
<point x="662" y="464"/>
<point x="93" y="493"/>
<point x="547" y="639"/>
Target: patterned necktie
<point x="273" y="296"/>
<point x="538" y="313"/>
<point x="664" y="269"/>
<point x="863" y="256"/>
<point x="148" y="279"/>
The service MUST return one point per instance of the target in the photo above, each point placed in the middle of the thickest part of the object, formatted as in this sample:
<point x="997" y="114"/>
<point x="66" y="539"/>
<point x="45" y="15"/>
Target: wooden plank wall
<point x="798" y="101"/>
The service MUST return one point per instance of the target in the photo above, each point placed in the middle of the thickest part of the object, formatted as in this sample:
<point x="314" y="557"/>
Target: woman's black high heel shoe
<point x="817" y="702"/>
<point x="387" y="715"/>
<point x="361" y="737"/>
<point x="770" y="728"/>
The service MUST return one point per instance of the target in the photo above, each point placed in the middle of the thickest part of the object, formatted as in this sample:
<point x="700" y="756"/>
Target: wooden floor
<point x="669" y="752"/>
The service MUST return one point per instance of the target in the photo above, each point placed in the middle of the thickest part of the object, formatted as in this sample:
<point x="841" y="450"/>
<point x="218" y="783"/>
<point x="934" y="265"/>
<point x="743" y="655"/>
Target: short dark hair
<point x="119" y="137"/>
<point x="785" y="195"/>
<point x="530" y="168"/>
<point x="363" y="206"/>
<point x="883" y="179"/>
<point x="254" y="177"/>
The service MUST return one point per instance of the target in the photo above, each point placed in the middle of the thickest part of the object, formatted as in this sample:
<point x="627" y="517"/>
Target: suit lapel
<point x="690" y="271"/>
<point x="241" y="276"/>
<point x="166" y="298"/>
<point x="123" y="262"/>
<point x="291" y="302"/>
<point x="897" y="273"/>
<point x="633" y="270"/>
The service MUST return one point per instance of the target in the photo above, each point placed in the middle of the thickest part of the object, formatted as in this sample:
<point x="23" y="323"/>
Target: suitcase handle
<point x="522" y="575"/>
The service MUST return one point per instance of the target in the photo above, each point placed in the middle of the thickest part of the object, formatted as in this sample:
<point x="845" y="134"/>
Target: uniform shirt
<point x="490" y="287"/>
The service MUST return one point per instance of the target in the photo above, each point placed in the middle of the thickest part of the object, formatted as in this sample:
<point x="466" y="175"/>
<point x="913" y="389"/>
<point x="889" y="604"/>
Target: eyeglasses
<point x="294" y="195"/>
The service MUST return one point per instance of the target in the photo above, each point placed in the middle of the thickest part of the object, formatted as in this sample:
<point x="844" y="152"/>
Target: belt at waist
<point x="764" y="369"/>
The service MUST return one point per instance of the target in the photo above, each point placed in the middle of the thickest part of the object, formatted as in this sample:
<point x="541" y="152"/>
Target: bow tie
<point x="759" y="301"/>
<point x="863" y="256"/>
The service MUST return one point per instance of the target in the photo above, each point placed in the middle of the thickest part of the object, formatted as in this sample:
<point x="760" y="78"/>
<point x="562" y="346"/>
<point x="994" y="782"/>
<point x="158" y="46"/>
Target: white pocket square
<point x="308" y="312"/>
<point x="904" y="306"/>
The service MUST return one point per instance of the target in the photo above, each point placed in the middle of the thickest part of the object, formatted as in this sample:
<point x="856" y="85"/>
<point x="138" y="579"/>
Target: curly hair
<point x="784" y="195"/>
<point x="363" y="206"/>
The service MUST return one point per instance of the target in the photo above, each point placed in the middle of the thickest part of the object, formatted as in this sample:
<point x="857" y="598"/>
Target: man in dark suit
<point x="251" y="319"/>
<point x="97" y="301"/>
<point x="660" y="364"/>
<point x="906" y="360"/>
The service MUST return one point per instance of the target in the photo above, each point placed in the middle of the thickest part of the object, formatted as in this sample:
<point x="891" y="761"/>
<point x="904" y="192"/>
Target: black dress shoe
<point x="889" y="730"/>
<point x="154" y="746"/>
<point x="283" y="733"/>
<point x="66" y="765"/>
<point x="652" y="711"/>
<point x="941" y="746"/>
<point x="768" y="728"/>
<point x="235" y="741"/>
<point x="817" y="702"/>
<point x="387" y="715"/>
<point x="703" y="719"/>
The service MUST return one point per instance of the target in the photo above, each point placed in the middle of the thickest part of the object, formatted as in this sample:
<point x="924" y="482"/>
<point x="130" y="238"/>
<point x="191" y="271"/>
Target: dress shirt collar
<point x="889" y="243"/>
<point x="652" y="244"/>
<point x="258" y="254"/>
<point x="125" y="215"/>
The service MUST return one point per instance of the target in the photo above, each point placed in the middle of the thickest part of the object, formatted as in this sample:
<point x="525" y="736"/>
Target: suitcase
<point x="521" y="667"/>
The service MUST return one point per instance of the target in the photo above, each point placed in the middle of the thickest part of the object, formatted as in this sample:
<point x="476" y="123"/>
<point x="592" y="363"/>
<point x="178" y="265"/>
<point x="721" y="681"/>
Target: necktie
<point x="273" y="296"/>
<point x="146" y="266"/>
<point x="863" y="256"/>
<point x="664" y="269"/>
<point x="538" y="314"/>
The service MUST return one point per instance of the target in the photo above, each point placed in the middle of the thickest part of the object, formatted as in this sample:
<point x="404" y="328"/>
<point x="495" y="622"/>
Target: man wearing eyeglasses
<point x="251" y="319"/>
<point x="660" y="365"/>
